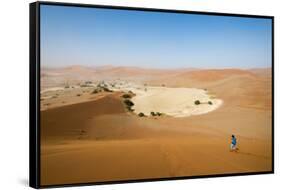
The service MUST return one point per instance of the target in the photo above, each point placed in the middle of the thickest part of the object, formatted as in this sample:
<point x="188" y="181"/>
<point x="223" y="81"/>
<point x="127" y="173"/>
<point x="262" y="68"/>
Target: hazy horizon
<point x="101" y="37"/>
<point x="141" y="67"/>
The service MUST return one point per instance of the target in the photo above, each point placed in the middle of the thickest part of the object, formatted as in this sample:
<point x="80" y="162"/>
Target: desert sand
<point x="89" y="136"/>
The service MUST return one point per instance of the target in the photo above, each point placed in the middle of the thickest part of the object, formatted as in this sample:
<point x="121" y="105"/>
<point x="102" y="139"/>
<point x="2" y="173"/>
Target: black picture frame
<point x="34" y="91"/>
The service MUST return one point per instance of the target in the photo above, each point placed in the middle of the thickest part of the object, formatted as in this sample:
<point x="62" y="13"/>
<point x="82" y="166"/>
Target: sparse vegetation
<point x="78" y="95"/>
<point x="126" y="96"/>
<point x="101" y="89"/>
<point x="210" y="103"/>
<point x="197" y="102"/>
<point x="158" y="114"/>
<point x="95" y="91"/>
<point x="102" y="85"/>
<point x="141" y="114"/>
<point x="155" y="114"/>
<point x="128" y="103"/>
<point x="129" y="108"/>
<point x="85" y="85"/>
<point x="152" y="113"/>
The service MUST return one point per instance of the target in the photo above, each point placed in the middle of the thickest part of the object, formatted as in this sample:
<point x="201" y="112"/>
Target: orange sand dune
<point x="90" y="161"/>
<point x="98" y="140"/>
<point x="234" y="86"/>
<point x="216" y="74"/>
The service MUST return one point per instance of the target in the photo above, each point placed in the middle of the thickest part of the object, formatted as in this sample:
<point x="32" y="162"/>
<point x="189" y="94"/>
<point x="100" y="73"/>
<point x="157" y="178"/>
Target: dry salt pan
<point x="176" y="102"/>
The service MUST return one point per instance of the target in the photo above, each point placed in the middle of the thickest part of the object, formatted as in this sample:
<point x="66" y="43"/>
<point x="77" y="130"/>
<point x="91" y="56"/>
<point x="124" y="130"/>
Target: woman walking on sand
<point x="233" y="146"/>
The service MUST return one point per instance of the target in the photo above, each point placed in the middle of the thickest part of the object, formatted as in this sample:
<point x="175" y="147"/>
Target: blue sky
<point x="97" y="37"/>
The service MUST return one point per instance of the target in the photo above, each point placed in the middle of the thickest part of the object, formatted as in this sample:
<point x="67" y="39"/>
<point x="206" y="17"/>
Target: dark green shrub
<point x="155" y="113"/>
<point x="197" y="102"/>
<point x="209" y="102"/>
<point x="141" y="114"/>
<point x="126" y="96"/>
<point x="158" y="113"/>
<point x="128" y="102"/>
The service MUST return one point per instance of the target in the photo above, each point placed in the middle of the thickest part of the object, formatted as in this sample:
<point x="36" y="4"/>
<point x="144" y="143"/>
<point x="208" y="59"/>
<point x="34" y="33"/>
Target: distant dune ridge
<point x="88" y="134"/>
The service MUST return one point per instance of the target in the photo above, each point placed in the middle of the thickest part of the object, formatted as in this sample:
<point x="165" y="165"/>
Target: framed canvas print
<point x="122" y="94"/>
